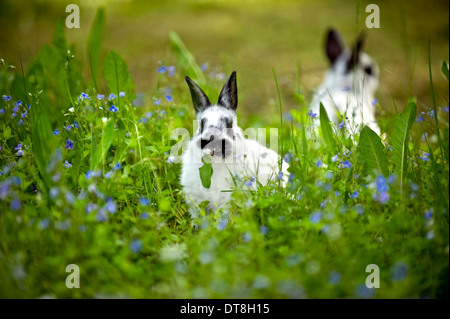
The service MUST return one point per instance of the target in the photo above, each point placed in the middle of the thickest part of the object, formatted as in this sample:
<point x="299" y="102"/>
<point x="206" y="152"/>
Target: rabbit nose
<point x="205" y="142"/>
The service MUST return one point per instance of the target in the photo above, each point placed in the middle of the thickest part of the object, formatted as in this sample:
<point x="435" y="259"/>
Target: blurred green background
<point x="251" y="37"/>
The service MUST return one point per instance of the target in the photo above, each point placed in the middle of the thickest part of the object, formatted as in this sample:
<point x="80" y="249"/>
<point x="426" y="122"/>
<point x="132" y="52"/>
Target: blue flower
<point x="354" y="195"/>
<point x="203" y="67"/>
<point x="280" y="176"/>
<point x="111" y="206"/>
<point x="171" y="159"/>
<point x="319" y="163"/>
<point x="144" y="201"/>
<point x="19" y="146"/>
<point x="346" y="88"/>
<point x="428" y="214"/>
<point x="2" y="111"/>
<point x="100" y="96"/>
<point x="446" y="109"/>
<point x="341" y="125"/>
<point x="346" y="164"/>
<point x="15" y="109"/>
<point x="322" y="205"/>
<point x="287" y="157"/>
<point x="291" y="177"/>
<point x="84" y="96"/>
<point x="161" y="69"/>
<point x="90" y="207"/>
<point x="424" y="158"/>
<point x="24" y="114"/>
<point x="18" y="103"/>
<point x="374" y="102"/>
<point x="311" y="114"/>
<point x="246" y="237"/>
<point x="334" y="158"/>
<point x="222" y="224"/>
<point x="383" y="198"/>
<point x="101" y="215"/>
<point x="414" y="187"/>
<point x="248" y="183"/>
<point x="362" y="291"/>
<point x="121" y="94"/>
<point x="337" y="193"/>
<point x="67" y="164"/>
<point x="15" y="204"/>
<point x="169" y="98"/>
<point x="334" y="277"/>
<point x="144" y="215"/>
<point x="44" y="223"/>
<point x="19" y="153"/>
<point x="263" y="229"/>
<point x="28" y="106"/>
<point x="69" y="145"/>
<point x="171" y="70"/>
<point x="113" y="108"/>
<point x="381" y="184"/>
<point x="315" y="217"/>
<point x="54" y="192"/>
<point x="117" y="166"/>
<point x="112" y="96"/>
<point x="392" y="178"/>
<point x="399" y="271"/>
<point x="109" y="174"/>
<point x="76" y="125"/>
<point x="157" y="102"/>
<point x="56" y="132"/>
<point x="135" y="246"/>
<point x="419" y="118"/>
<point x="20" y="122"/>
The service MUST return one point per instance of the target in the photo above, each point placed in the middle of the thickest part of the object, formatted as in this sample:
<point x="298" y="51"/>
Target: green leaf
<point x="206" y="172"/>
<point x="94" y="45"/>
<point x="371" y="151"/>
<point x="400" y="139"/>
<point x="116" y="73"/>
<point x="103" y="146"/>
<point x="325" y="127"/>
<point x="186" y="59"/>
<point x="445" y="69"/>
<point x="59" y="38"/>
<point x="43" y="142"/>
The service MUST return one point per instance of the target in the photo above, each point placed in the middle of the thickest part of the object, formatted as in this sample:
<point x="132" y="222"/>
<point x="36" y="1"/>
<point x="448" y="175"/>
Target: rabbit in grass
<point x="348" y="89"/>
<point x="220" y="141"/>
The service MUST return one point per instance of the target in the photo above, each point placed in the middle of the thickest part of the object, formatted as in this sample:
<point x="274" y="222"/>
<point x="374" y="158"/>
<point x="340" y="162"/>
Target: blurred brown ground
<point x="251" y="37"/>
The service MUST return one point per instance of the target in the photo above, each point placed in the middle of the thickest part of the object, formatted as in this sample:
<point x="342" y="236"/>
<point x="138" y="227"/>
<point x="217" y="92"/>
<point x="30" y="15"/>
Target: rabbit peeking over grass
<point x="235" y="160"/>
<point x="348" y="89"/>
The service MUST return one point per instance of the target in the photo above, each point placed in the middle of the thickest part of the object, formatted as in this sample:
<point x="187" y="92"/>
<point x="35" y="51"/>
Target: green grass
<point x="126" y="226"/>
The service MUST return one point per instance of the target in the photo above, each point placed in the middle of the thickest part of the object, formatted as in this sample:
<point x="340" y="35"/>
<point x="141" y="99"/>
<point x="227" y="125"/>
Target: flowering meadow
<point x="86" y="178"/>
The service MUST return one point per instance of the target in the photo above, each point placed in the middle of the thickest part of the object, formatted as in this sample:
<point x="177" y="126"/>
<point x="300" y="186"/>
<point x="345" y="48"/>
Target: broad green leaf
<point x="400" y="139"/>
<point x="94" y="45"/>
<point x="206" y="172"/>
<point x="116" y="73"/>
<point x="103" y="146"/>
<point x="43" y="142"/>
<point x="371" y="151"/>
<point x="325" y="127"/>
<point x="445" y="69"/>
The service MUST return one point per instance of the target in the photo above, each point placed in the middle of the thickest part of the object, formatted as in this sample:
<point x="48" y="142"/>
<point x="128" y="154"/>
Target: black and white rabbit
<point x="348" y="89"/>
<point x="233" y="157"/>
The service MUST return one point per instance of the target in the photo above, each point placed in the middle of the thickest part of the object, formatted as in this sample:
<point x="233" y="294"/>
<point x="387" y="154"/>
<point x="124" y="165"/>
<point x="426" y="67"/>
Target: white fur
<point x="248" y="159"/>
<point x="351" y="94"/>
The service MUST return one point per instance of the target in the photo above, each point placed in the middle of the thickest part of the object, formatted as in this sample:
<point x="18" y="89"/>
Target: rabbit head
<point x="217" y="124"/>
<point x="350" y="68"/>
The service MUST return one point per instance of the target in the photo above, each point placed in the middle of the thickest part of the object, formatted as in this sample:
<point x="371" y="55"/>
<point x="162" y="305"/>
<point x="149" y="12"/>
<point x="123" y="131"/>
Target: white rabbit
<point x="348" y="89"/>
<point x="234" y="158"/>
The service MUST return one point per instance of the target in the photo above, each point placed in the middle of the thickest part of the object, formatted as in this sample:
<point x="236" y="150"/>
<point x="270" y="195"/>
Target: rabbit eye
<point x="229" y="124"/>
<point x="202" y="125"/>
<point x="368" y="70"/>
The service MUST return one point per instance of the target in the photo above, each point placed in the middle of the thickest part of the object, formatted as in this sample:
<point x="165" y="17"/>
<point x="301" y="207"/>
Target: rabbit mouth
<point x="216" y="147"/>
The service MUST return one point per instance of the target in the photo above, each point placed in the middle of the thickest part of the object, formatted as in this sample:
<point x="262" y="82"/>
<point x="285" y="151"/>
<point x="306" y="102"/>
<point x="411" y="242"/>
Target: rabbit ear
<point x="356" y="49"/>
<point x="199" y="98"/>
<point x="228" y="96"/>
<point x="335" y="45"/>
